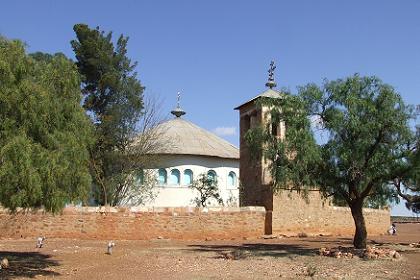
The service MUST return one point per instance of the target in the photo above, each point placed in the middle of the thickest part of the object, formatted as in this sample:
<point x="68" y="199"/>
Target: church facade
<point x="187" y="152"/>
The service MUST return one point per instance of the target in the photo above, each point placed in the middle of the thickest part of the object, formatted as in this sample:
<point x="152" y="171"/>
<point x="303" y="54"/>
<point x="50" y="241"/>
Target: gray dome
<point x="182" y="137"/>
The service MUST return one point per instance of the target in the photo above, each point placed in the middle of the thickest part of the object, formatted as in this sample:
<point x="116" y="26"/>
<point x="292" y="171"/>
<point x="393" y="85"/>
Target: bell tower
<point x="255" y="178"/>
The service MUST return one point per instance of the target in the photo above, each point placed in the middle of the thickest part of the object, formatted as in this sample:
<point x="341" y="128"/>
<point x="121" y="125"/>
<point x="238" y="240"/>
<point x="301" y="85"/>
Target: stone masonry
<point x="136" y="223"/>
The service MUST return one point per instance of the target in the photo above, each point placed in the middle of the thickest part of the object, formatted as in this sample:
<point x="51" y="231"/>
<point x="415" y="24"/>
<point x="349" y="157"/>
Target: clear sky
<point x="217" y="52"/>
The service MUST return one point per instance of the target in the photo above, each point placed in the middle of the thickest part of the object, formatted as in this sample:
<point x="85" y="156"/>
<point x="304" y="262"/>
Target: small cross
<point x="271" y="71"/>
<point x="271" y="83"/>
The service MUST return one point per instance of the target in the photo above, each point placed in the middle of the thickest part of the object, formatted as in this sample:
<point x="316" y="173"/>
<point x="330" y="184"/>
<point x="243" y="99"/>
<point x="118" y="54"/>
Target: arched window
<point x="274" y="129"/>
<point x="232" y="179"/>
<point x="163" y="177"/>
<point x="175" y="177"/>
<point x="212" y="175"/>
<point x="139" y="178"/>
<point x="188" y="177"/>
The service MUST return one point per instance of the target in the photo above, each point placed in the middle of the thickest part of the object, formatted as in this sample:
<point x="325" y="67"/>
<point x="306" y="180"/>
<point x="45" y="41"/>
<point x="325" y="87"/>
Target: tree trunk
<point x="360" y="234"/>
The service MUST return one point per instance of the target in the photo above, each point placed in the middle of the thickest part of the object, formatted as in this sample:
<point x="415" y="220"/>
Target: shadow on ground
<point x="27" y="264"/>
<point x="338" y="241"/>
<point x="259" y="249"/>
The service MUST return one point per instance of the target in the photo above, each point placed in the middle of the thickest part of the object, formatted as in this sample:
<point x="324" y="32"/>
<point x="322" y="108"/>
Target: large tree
<point x="370" y="152"/>
<point x="114" y="100"/>
<point x="44" y="132"/>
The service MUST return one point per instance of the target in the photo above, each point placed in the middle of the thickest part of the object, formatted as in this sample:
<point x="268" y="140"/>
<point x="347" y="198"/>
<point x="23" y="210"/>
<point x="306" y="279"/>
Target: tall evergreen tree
<point x="44" y="132"/>
<point x="114" y="100"/>
<point x="371" y="151"/>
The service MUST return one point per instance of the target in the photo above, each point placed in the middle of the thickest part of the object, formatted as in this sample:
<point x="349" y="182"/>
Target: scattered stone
<point x="323" y="251"/>
<point x="208" y="239"/>
<point x="4" y="263"/>
<point x="302" y="234"/>
<point x="227" y="255"/>
<point x="268" y="236"/>
<point x="396" y="255"/>
<point x="370" y="253"/>
<point x="235" y="255"/>
<point x="414" y="245"/>
<point x="337" y="254"/>
<point x="391" y="253"/>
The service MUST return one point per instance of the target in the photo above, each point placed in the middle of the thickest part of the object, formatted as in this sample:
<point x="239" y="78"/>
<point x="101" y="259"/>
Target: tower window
<point x="274" y="129"/>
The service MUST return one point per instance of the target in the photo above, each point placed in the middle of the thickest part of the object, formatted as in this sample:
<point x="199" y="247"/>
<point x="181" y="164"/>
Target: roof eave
<point x="259" y="96"/>
<point x="198" y="155"/>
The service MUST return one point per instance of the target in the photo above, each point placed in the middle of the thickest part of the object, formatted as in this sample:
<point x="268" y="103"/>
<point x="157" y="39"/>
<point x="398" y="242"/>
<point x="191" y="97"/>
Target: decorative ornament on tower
<point x="271" y="83"/>
<point x="178" y="112"/>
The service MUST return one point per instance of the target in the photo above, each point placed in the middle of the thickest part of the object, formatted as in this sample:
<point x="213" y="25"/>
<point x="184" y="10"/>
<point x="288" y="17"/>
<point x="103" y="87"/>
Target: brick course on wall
<point x="292" y="215"/>
<point x="136" y="223"/>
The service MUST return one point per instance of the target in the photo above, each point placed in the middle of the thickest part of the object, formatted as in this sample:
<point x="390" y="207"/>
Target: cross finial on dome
<point x="178" y="97"/>
<point x="178" y="112"/>
<point x="271" y="83"/>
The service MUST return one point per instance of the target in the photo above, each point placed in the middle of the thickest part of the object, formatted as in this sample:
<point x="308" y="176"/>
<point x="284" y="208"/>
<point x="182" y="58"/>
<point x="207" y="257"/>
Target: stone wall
<point x="292" y="215"/>
<point x="136" y="223"/>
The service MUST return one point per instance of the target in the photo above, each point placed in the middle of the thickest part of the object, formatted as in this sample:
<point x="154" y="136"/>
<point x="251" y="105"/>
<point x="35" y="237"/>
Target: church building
<point x="187" y="152"/>
<point x="244" y="179"/>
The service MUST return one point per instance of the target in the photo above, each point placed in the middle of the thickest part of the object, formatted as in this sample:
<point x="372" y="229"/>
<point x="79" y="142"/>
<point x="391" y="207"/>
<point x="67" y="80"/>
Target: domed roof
<point x="182" y="137"/>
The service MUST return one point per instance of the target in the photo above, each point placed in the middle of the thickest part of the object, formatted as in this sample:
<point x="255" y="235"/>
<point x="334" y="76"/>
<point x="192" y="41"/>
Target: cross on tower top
<point x="271" y="83"/>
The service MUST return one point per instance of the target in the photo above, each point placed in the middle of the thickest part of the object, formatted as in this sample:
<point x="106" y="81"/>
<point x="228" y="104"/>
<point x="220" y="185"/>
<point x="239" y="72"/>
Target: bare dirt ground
<point x="286" y="258"/>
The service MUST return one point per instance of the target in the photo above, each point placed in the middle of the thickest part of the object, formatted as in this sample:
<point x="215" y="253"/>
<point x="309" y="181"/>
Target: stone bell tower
<point x="255" y="178"/>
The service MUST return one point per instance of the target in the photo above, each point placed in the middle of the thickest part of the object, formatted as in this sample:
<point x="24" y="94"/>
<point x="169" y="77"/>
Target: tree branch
<point x="409" y="198"/>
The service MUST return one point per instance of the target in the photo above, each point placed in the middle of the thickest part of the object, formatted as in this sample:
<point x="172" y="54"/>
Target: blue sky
<point x="217" y="52"/>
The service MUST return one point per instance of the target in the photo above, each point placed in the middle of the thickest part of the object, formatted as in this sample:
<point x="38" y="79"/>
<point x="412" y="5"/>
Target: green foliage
<point x="44" y="132"/>
<point x="370" y="138"/>
<point x="413" y="206"/>
<point x="114" y="99"/>
<point x="207" y="189"/>
<point x="292" y="161"/>
<point x="370" y="148"/>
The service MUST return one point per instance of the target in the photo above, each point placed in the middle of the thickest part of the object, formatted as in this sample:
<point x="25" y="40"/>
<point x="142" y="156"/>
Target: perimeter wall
<point x="292" y="215"/>
<point x="136" y="223"/>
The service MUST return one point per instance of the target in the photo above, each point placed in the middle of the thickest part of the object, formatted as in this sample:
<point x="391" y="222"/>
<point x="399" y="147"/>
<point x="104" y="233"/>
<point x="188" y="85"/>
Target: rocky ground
<point x="285" y="257"/>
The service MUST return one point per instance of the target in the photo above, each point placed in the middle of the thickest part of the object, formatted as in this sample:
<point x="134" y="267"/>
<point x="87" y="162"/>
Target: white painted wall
<point x="181" y="195"/>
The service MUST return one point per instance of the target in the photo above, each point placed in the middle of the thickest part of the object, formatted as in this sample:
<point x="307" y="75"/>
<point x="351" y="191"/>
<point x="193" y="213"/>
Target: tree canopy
<point x="371" y="145"/>
<point x="44" y="132"/>
<point x="114" y="100"/>
<point x="207" y="191"/>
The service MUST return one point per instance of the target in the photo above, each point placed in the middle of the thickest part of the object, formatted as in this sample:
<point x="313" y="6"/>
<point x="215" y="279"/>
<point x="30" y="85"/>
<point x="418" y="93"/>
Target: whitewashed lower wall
<point x="181" y="195"/>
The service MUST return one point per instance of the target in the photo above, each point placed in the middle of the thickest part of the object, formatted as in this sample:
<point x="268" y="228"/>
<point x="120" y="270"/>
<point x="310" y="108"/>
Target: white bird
<point x="111" y="244"/>
<point x="40" y="241"/>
